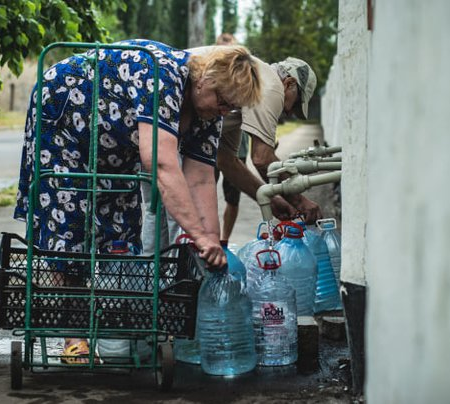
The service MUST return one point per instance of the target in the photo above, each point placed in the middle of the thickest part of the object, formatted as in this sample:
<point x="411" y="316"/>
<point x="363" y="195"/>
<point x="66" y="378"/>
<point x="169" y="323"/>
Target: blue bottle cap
<point x="293" y="232"/>
<point x="119" y="246"/>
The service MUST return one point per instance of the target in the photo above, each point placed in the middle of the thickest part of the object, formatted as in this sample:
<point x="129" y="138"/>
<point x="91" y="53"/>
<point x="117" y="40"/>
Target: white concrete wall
<point x="408" y="233"/>
<point x="344" y="117"/>
<point x="331" y="105"/>
<point x="394" y="106"/>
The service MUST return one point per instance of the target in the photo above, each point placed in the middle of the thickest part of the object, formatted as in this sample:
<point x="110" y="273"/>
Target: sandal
<point x="77" y="354"/>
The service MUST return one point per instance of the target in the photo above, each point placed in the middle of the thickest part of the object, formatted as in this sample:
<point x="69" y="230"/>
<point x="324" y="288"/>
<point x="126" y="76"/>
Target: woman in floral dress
<point x="194" y="93"/>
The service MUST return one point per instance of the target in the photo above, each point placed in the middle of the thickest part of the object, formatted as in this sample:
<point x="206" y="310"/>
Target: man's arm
<point x="262" y="156"/>
<point x="241" y="177"/>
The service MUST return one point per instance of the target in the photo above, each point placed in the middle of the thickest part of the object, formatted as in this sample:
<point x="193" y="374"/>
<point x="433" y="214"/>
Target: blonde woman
<point x="194" y="92"/>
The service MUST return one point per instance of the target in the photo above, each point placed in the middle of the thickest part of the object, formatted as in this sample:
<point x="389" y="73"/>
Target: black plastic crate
<point x="120" y="287"/>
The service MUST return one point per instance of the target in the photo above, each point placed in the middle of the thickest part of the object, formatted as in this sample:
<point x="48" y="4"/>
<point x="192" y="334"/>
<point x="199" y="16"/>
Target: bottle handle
<point x="259" y="235"/>
<point x="275" y="259"/>
<point x="320" y="222"/>
<point x="184" y="238"/>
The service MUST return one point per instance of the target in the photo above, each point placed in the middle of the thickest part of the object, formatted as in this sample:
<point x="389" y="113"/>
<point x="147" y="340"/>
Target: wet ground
<point x="329" y="383"/>
<point x="288" y="384"/>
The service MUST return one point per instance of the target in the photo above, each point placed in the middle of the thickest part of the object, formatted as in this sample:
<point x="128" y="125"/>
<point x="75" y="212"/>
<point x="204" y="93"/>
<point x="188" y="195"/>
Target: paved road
<point x="10" y="152"/>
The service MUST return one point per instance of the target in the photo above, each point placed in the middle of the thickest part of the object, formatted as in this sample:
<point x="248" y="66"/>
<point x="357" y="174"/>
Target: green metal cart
<point x="152" y="298"/>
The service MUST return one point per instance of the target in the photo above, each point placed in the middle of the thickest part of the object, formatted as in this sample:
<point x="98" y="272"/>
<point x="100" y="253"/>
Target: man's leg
<point x="232" y="196"/>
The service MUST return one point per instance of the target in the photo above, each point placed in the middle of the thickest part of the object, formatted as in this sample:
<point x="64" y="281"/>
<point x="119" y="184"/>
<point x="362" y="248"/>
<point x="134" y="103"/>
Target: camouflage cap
<point x="306" y="80"/>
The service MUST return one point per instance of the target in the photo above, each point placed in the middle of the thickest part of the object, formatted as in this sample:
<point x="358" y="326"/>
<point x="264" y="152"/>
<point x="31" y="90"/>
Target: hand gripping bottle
<point x="274" y="314"/>
<point x="332" y="239"/>
<point x="299" y="267"/>
<point x="224" y="326"/>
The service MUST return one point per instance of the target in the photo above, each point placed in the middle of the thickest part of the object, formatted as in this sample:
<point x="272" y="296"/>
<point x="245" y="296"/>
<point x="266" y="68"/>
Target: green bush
<point x="8" y="196"/>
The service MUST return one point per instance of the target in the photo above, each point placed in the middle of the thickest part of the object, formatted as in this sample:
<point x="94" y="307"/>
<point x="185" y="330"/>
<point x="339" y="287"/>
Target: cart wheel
<point x="166" y="363"/>
<point x="16" y="365"/>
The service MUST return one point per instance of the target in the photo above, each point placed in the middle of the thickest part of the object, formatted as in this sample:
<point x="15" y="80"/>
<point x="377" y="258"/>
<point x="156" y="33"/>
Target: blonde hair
<point x="232" y="71"/>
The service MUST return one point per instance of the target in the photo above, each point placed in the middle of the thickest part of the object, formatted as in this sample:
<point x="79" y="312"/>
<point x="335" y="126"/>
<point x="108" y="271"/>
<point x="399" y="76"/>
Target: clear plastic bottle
<point x="299" y="267"/>
<point x="224" y="326"/>
<point x="113" y="276"/>
<point x="125" y="276"/>
<point x="188" y="350"/>
<point x="327" y="294"/>
<point x="247" y="254"/>
<point x="261" y="239"/>
<point x="310" y="232"/>
<point x="235" y="265"/>
<point x="332" y="239"/>
<point x="274" y="314"/>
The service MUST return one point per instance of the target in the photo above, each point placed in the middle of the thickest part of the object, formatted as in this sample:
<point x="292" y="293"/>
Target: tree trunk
<point x="197" y="20"/>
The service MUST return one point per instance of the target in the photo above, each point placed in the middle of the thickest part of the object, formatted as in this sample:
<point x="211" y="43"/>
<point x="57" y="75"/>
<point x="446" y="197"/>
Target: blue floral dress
<point x="125" y="98"/>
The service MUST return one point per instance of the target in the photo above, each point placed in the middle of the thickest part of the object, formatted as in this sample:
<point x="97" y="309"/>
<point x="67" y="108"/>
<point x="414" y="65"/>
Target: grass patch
<point x="12" y="119"/>
<point x="287" y="127"/>
<point x="8" y="196"/>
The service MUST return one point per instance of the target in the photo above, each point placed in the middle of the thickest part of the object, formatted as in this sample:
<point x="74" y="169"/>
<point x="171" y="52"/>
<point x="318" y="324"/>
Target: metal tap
<point x="299" y="166"/>
<point x="293" y="185"/>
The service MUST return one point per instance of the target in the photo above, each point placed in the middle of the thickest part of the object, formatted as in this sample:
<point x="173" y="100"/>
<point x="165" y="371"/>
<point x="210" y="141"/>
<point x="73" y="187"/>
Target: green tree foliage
<point x="160" y="20"/>
<point x="306" y="29"/>
<point x="229" y="16"/>
<point x="179" y="24"/>
<point x="28" y="26"/>
<point x="210" y="27"/>
<point x="149" y="19"/>
<point x="163" y="20"/>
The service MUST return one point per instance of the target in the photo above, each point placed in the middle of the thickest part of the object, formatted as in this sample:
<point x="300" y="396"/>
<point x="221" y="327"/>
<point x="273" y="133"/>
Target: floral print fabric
<point x="126" y="87"/>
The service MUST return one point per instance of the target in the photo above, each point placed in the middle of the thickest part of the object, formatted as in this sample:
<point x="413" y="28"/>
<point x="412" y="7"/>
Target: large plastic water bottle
<point x="261" y="237"/>
<point x="332" y="239"/>
<point x="327" y="293"/>
<point x="114" y="276"/>
<point x="224" y="326"/>
<point x="247" y="254"/>
<point x="299" y="267"/>
<point x="274" y="314"/>
<point x="188" y="350"/>
<point x="310" y="232"/>
<point x="126" y="276"/>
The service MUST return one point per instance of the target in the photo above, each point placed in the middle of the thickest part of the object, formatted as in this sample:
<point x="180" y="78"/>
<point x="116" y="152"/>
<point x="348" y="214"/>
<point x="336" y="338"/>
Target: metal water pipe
<point x="316" y="151"/>
<point x="293" y="185"/>
<point x="299" y="166"/>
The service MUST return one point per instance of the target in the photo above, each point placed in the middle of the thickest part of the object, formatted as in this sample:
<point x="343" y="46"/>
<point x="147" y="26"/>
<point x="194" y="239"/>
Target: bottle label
<point x="273" y="314"/>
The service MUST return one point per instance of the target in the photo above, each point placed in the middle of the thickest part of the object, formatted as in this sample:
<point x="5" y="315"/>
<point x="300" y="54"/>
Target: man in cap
<point x="287" y="87"/>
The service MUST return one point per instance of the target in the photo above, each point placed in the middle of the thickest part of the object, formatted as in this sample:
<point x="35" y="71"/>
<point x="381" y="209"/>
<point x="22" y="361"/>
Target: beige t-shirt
<point x="262" y="119"/>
